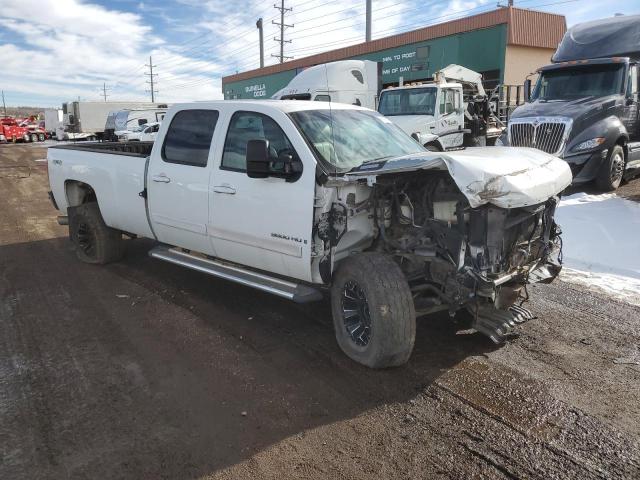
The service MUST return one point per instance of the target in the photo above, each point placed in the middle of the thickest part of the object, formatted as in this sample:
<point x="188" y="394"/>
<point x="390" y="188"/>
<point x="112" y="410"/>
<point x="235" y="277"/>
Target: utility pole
<point x="282" y="26"/>
<point x="368" y="20"/>
<point x="4" y="106"/>
<point x="104" y="91"/>
<point x="150" y="81"/>
<point x="259" y="26"/>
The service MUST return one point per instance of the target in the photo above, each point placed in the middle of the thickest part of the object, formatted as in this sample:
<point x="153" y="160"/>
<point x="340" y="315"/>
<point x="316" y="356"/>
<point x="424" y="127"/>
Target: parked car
<point x="150" y="132"/>
<point x="299" y="199"/>
<point x="132" y="135"/>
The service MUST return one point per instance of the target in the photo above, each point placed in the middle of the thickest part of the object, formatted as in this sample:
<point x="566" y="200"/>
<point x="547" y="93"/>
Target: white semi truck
<point x="299" y="198"/>
<point x="451" y="111"/>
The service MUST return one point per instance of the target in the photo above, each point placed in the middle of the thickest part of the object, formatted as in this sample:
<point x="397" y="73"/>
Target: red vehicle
<point x="13" y="132"/>
<point x="36" y="132"/>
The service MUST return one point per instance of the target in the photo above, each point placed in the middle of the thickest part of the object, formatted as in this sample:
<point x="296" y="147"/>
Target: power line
<point x="282" y="26"/>
<point x="150" y="81"/>
<point x="104" y="90"/>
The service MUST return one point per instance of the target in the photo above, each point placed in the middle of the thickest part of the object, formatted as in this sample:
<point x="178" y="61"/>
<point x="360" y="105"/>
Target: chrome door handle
<point x="228" y="189"/>
<point x="160" y="178"/>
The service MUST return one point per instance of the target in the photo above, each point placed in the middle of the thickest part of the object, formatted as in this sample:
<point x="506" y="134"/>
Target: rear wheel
<point x="95" y="242"/>
<point x="373" y="312"/>
<point x="41" y="137"/>
<point x="611" y="171"/>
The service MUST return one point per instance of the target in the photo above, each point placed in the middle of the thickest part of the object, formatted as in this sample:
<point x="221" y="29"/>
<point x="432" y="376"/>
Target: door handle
<point x="228" y="189"/>
<point x="162" y="178"/>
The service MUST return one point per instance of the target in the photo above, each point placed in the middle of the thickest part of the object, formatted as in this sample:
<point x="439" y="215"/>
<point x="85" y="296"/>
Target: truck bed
<point x="116" y="173"/>
<point x="130" y="149"/>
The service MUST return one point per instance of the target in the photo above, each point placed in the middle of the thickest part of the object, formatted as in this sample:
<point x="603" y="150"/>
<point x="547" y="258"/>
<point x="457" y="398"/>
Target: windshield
<point x="408" y="101"/>
<point x="348" y="138"/>
<point x="578" y="82"/>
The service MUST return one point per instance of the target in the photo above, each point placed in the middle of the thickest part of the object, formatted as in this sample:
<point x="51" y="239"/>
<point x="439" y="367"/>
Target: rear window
<point x="189" y="137"/>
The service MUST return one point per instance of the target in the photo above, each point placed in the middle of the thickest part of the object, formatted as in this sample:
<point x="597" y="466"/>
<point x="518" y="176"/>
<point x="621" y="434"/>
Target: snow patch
<point x="601" y="243"/>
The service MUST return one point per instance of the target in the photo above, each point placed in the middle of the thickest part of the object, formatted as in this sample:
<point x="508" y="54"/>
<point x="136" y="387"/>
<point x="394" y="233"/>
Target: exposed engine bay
<point x="453" y="256"/>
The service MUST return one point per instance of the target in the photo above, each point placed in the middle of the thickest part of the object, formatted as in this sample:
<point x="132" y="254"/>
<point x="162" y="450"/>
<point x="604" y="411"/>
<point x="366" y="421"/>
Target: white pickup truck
<point x="298" y="198"/>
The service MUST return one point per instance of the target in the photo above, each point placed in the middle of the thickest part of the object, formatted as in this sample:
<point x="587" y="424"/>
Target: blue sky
<point x="58" y="50"/>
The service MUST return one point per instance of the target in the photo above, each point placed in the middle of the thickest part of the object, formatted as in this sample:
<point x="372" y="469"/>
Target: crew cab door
<point x="450" y="118"/>
<point x="178" y="180"/>
<point x="264" y="223"/>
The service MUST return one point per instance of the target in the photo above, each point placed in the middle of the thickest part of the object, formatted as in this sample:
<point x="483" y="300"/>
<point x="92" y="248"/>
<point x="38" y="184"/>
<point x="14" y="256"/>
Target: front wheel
<point x="373" y="312"/>
<point x="611" y="171"/>
<point x="95" y="242"/>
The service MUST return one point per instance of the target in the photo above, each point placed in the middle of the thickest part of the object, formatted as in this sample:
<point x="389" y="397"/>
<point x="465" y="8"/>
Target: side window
<point x="142" y="121"/>
<point x="632" y="86"/>
<point x="155" y="128"/>
<point x="188" y="138"/>
<point x="446" y="102"/>
<point x="247" y="126"/>
<point x="322" y="98"/>
<point x="358" y="76"/>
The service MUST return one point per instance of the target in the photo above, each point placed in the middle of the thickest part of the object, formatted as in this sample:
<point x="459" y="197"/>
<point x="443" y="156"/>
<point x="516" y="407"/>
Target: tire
<point x="41" y="137"/>
<point x="432" y="148"/>
<point x="611" y="171"/>
<point x="34" y="138"/>
<point x="95" y="242"/>
<point x="374" y="285"/>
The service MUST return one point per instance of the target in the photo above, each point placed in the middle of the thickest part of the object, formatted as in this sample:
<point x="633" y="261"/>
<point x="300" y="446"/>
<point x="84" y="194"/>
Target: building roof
<point x="524" y="27"/>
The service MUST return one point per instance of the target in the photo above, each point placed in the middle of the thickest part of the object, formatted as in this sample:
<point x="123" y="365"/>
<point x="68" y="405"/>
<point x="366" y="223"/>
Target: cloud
<point x="56" y="50"/>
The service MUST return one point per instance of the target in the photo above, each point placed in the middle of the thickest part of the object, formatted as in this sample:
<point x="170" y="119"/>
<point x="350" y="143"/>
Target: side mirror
<point x="527" y="89"/>
<point x="258" y="159"/>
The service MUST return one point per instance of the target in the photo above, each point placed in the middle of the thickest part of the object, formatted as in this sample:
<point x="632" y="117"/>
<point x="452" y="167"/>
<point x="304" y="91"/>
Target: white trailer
<point x="52" y="120"/>
<point x="86" y="120"/>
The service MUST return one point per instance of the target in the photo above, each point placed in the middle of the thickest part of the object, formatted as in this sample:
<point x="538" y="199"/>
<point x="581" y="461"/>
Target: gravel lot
<point x="142" y="369"/>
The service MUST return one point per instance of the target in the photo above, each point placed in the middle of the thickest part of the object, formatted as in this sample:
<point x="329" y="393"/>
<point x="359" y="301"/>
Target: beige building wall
<point x="520" y="61"/>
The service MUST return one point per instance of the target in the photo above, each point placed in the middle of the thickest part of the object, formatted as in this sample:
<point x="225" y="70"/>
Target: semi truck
<point x="450" y="111"/>
<point x="584" y="107"/>
<point x="87" y="120"/>
<point x="388" y="230"/>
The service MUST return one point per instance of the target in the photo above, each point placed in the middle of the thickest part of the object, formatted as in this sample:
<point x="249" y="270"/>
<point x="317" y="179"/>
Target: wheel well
<point x="78" y="193"/>
<point x="622" y="141"/>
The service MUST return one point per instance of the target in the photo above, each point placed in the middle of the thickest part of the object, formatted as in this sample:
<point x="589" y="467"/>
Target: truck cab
<point x="584" y="107"/>
<point x="431" y="113"/>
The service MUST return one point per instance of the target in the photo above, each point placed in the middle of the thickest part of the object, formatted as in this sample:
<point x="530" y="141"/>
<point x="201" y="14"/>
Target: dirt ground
<point x="142" y="369"/>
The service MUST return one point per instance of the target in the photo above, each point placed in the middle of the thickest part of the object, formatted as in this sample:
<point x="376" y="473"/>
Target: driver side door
<point x="449" y="119"/>
<point x="264" y="223"/>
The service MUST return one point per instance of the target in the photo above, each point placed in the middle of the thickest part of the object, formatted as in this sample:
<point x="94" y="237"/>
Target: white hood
<point x="506" y="177"/>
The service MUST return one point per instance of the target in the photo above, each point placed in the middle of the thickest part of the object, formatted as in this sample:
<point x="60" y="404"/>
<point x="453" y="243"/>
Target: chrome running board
<point x="292" y="291"/>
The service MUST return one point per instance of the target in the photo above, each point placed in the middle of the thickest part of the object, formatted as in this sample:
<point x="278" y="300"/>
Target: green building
<point x="505" y="45"/>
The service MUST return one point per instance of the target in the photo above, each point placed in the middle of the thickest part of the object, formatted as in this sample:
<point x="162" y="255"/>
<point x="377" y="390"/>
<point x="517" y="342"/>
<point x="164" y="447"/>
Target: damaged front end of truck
<point x="467" y="236"/>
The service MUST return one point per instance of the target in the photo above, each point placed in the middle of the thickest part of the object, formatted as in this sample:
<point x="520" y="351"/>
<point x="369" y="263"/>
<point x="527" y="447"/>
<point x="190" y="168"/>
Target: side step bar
<point x="292" y="291"/>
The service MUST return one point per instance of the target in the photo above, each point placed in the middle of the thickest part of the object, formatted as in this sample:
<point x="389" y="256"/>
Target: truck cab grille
<point x="546" y="134"/>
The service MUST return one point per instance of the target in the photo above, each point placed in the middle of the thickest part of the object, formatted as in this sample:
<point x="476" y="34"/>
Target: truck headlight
<point x="589" y="144"/>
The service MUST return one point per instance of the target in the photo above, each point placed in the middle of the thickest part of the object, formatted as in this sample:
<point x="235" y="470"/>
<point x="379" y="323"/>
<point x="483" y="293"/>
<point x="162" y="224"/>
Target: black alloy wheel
<point x="355" y="314"/>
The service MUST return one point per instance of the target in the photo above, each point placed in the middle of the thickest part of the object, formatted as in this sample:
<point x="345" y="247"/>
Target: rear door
<point x="264" y="223"/>
<point x="178" y="180"/>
